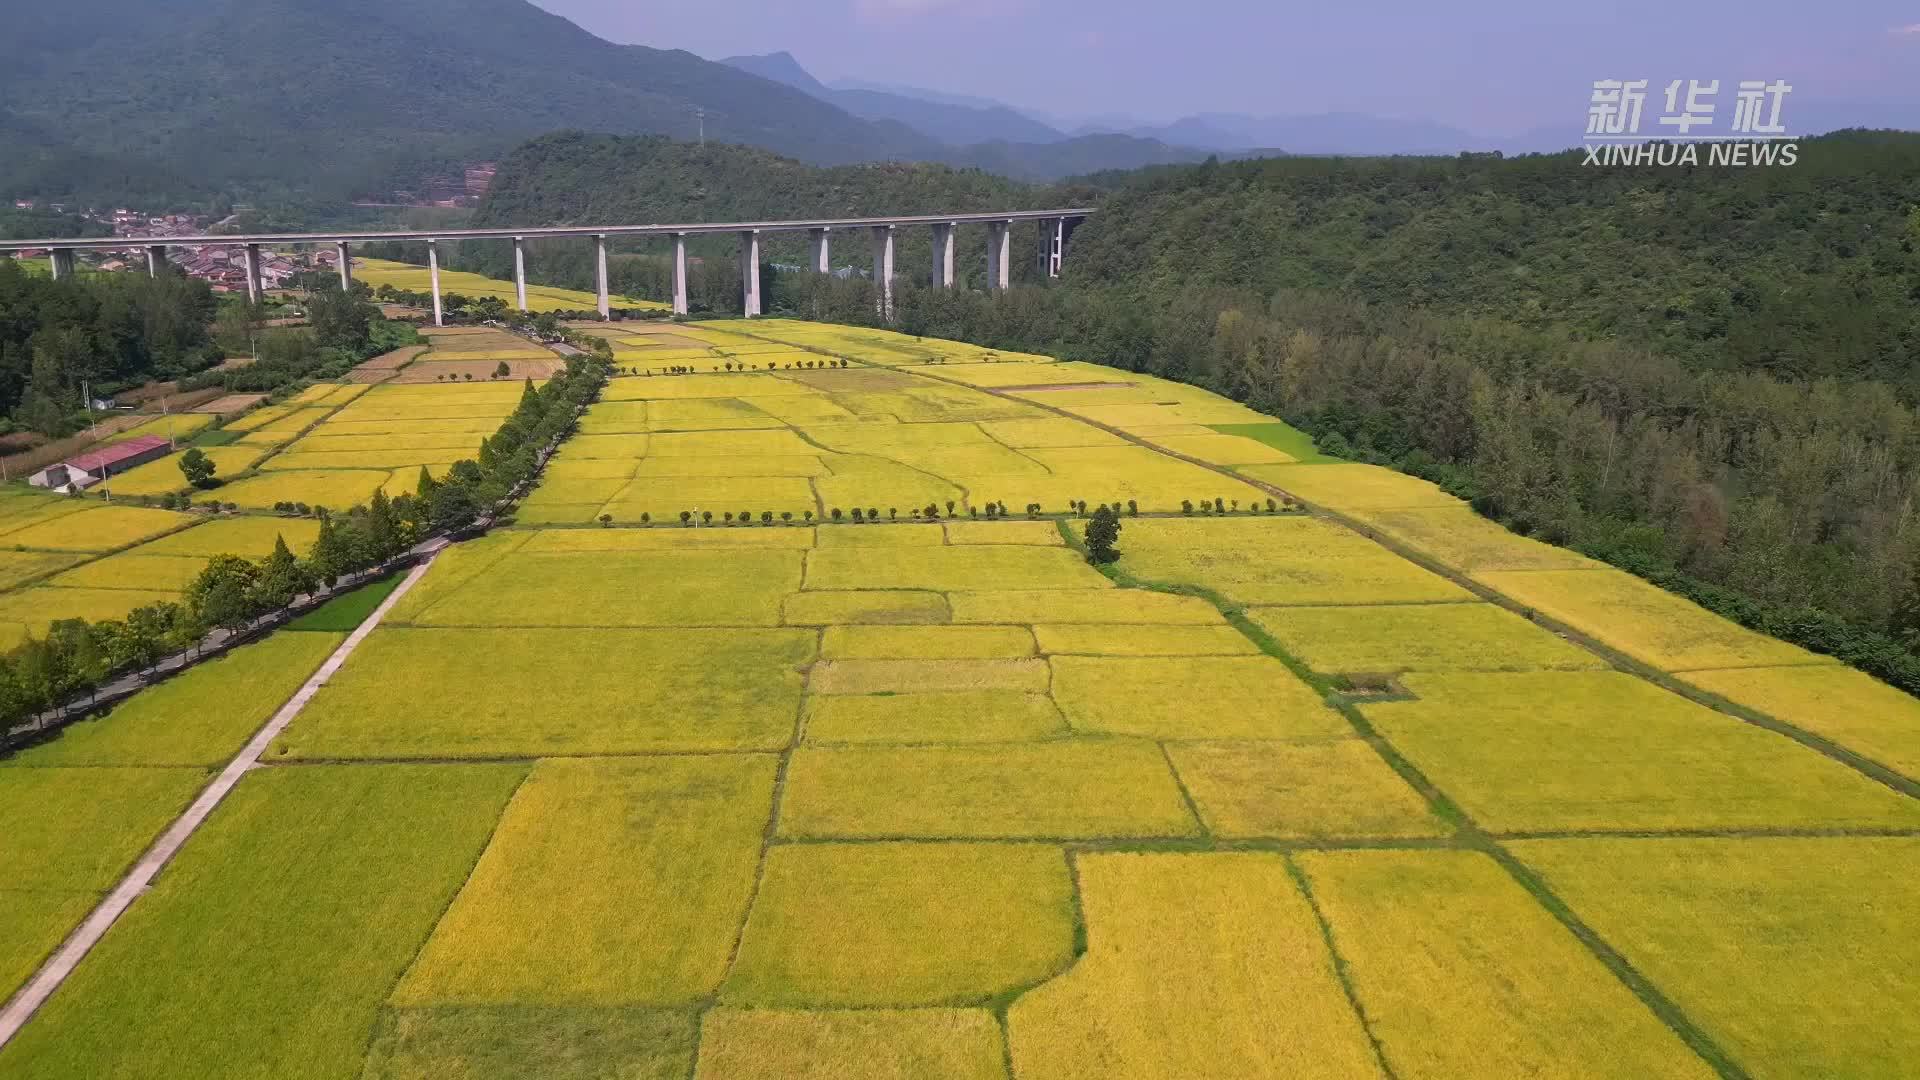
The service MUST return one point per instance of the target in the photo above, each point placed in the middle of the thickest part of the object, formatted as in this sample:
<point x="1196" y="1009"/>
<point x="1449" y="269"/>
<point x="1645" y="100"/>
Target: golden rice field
<point x="378" y="272"/>
<point x="1372" y="790"/>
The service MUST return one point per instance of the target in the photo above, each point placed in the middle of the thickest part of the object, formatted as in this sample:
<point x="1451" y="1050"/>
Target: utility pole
<point x="701" y="114"/>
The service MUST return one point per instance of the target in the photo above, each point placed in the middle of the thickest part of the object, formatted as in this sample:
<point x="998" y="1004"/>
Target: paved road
<point x="55" y="971"/>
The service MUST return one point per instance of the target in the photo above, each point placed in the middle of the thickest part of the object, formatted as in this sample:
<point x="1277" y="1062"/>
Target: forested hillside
<point x="1803" y="271"/>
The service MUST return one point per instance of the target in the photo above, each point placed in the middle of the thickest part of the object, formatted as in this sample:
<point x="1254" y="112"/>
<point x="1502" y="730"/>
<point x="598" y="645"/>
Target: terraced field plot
<point x="937" y="799"/>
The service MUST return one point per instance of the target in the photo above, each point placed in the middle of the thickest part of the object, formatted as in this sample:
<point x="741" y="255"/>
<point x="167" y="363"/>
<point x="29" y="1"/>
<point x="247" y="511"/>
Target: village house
<point x="85" y="470"/>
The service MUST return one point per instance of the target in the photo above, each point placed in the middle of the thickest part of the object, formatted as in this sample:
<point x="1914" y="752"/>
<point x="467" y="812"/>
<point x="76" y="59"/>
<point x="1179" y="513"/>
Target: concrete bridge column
<point x="600" y="276"/>
<point x="343" y="254"/>
<point x="750" y="272"/>
<point x="679" y="273"/>
<point x="999" y="254"/>
<point x="253" y="272"/>
<point x="1053" y="245"/>
<point x="156" y="260"/>
<point x="943" y="255"/>
<point x="821" y="257"/>
<point x="61" y="261"/>
<point x="520" y="272"/>
<point x="883" y="269"/>
<point x="433" y="272"/>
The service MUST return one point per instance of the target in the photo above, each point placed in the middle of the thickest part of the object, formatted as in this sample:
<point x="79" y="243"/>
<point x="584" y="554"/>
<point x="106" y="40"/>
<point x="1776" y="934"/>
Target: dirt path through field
<point x="137" y="880"/>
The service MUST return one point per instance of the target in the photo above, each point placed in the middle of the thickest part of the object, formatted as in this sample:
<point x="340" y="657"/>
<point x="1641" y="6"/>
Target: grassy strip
<point x="346" y="612"/>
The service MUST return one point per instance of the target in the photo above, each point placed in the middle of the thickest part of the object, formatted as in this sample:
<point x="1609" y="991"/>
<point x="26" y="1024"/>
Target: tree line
<point x="231" y="593"/>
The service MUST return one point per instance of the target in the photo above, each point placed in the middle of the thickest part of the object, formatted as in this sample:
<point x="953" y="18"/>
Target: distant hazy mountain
<point x="951" y="121"/>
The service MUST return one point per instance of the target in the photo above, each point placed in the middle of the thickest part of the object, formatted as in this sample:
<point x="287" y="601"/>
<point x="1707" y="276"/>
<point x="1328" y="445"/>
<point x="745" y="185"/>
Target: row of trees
<point x="232" y="593"/>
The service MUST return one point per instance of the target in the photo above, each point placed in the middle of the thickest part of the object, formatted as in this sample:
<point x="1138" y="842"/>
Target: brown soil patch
<point x="398" y="358"/>
<point x="230" y="404"/>
<point x="481" y="370"/>
<point x="233" y="362"/>
<point x="456" y="331"/>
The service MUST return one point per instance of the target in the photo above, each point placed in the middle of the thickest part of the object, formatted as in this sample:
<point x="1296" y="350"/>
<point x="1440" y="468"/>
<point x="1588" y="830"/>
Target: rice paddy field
<point x="378" y="272"/>
<point x="772" y="794"/>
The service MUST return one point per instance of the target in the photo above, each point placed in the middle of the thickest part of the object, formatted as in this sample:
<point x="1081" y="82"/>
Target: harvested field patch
<point x="1082" y="606"/>
<point x="825" y="608"/>
<point x="1644" y="621"/>
<point x="1419" y="637"/>
<point x="360" y="860"/>
<point x="1064" y="789"/>
<point x="1251" y="790"/>
<point x="1133" y="639"/>
<point x="951" y="568"/>
<point x="872" y="1044"/>
<point x="99" y="528"/>
<point x="905" y="676"/>
<point x="960" y="716"/>
<point x="670" y="690"/>
<point x="903" y="924"/>
<point x="199" y="717"/>
<point x="1277" y="560"/>
<point x="548" y="914"/>
<point x="1462" y="973"/>
<point x="521" y="364"/>
<point x="1196" y="965"/>
<point x="1796" y="955"/>
<point x="925" y="642"/>
<point x="1191" y="697"/>
<point x="1535" y="751"/>
<point x="1850" y="707"/>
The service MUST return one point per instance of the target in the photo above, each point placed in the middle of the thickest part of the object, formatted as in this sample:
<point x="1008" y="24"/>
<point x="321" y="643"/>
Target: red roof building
<point x="88" y="469"/>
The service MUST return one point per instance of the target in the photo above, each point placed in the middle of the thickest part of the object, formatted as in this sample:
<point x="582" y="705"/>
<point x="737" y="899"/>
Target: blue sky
<point x="1491" y="66"/>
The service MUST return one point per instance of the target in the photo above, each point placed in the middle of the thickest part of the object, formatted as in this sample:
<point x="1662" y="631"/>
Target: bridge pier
<point x="253" y="273"/>
<point x="343" y="254"/>
<point x="1053" y="245"/>
<point x="520" y="272"/>
<point x="883" y="270"/>
<point x="820" y="257"/>
<point x="680" y="273"/>
<point x="600" y="277"/>
<point x="156" y="260"/>
<point x="750" y="272"/>
<point x="61" y="262"/>
<point x="433" y="272"/>
<point x="943" y="256"/>
<point x="999" y="254"/>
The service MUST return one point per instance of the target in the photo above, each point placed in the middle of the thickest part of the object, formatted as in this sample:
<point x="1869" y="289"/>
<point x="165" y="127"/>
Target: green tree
<point x="224" y="594"/>
<point x="281" y="578"/>
<point x="1103" y="531"/>
<point x="197" y="467"/>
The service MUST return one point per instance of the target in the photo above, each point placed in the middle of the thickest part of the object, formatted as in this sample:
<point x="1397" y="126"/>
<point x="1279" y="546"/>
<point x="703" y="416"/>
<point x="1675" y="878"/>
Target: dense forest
<point x="105" y="331"/>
